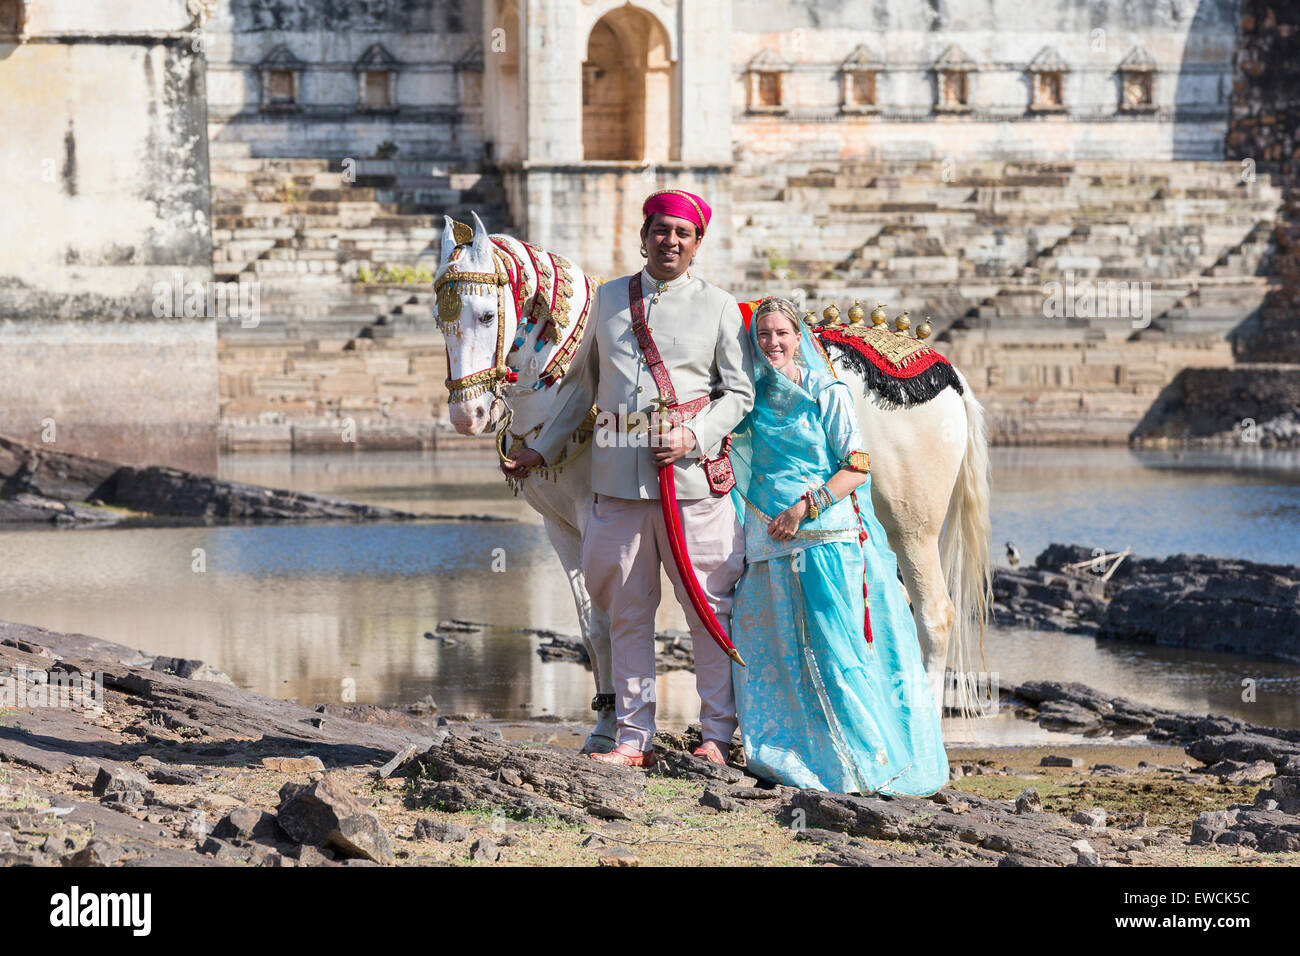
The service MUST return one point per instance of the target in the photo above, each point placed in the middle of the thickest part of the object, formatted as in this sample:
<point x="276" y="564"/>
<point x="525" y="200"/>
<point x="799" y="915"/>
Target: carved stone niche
<point x="13" y="20"/>
<point x="281" y="80"/>
<point x="1047" y="82"/>
<point x="377" y="80"/>
<point x="765" y="82"/>
<point x="953" y="73"/>
<point x="858" y="82"/>
<point x="1137" y="81"/>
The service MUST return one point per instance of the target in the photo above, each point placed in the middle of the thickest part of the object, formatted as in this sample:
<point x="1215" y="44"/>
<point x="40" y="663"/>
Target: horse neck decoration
<point x="511" y="321"/>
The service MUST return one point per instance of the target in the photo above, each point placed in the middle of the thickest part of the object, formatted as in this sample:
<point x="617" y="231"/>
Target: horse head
<point x="478" y="317"/>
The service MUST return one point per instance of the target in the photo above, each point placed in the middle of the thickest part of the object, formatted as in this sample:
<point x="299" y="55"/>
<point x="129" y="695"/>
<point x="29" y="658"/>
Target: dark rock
<point x="1054" y="760"/>
<point x="248" y="823"/>
<point x="676" y="763"/>
<point x="818" y="835"/>
<point x="551" y="782"/>
<point x="1286" y="792"/>
<point x="188" y="669"/>
<point x="95" y="853"/>
<point x="1068" y="715"/>
<point x="307" y="855"/>
<point x="113" y="778"/>
<point x="1236" y="772"/>
<point x="1029" y="801"/>
<point x="430" y="829"/>
<point x="1243" y="747"/>
<point x="987" y="830"/>
<point x="219" y="849"/>
<point x="711" y="798"/>
<point x="175" y="776"/>
<point x="484" y="850"/>
<point x="1094" y="818"/>
<point x="324" y="813"/>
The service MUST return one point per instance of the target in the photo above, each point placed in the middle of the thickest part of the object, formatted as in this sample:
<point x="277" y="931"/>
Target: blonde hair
<point x="775" y="303"/>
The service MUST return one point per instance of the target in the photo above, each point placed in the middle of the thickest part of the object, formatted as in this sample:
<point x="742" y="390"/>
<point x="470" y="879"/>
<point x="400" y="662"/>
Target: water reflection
<point x="294" y="610"/>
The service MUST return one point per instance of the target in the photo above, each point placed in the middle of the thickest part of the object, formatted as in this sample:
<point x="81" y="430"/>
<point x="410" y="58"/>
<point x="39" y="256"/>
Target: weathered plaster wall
<point x="105" y="167"/>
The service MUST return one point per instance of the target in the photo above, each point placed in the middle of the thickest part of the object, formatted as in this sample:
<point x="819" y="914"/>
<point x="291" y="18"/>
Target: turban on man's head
<point x="677" y="202"/>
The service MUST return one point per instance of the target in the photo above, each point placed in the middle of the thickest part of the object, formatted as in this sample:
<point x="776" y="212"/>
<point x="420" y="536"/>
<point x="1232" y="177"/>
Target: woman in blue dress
<point x="834" y="696"/>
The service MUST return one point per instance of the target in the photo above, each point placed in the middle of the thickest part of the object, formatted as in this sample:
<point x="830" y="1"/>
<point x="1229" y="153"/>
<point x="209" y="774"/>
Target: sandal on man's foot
<point x="627" y="757"/>
<point x="710" y="751"/>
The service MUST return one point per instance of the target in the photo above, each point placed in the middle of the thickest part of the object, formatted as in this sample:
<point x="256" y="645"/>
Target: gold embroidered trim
<point x="558" y="366"/>
<point x="898" y="350"/>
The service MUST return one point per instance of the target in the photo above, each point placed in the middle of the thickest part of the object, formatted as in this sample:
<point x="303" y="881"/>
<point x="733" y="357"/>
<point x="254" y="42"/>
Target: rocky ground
<point x="182" y="767"/>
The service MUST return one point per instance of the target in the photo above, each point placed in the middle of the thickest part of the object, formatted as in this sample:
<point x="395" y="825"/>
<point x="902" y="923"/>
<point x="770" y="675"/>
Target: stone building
<point x="954" y="157"/>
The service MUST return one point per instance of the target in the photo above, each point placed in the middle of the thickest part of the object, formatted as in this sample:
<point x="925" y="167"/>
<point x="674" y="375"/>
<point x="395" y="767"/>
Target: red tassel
<point x="512" y="376"/>
<point x="862" y="541"/>
<point x="866" y="610"/>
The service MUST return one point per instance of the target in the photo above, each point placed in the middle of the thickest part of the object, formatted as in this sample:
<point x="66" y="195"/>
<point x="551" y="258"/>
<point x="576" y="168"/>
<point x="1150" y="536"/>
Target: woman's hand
<point x="784" y="525"/>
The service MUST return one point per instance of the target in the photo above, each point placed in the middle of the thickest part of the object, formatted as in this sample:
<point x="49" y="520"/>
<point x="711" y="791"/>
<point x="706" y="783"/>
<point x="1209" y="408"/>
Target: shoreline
<point x="182" y="771"/>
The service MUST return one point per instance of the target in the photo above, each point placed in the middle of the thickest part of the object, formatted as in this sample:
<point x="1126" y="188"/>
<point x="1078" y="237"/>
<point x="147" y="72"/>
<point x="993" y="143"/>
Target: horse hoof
<point x="598" y="744"/>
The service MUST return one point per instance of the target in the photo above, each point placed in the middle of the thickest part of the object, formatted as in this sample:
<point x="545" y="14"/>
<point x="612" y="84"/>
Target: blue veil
<point x="781" y="448"/>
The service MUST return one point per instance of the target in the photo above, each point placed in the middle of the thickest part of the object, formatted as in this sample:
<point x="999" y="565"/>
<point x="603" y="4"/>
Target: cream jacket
<point x="706" y="351"/>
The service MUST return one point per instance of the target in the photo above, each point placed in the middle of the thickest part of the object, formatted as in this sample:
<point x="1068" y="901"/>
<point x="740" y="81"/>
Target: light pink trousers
<point x="624" y="544"/>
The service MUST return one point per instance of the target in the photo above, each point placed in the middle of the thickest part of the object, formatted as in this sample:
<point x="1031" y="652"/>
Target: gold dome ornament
<point x="856" y="314"/>
<point x="923" y="330"/>
<point x="810" y="318"/>
<point x="831" y="314"/>
<point x="902" y="323"/>
<point x="878" y="316"/>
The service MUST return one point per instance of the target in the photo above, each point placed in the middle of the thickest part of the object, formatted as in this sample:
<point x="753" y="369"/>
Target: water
<point x="305" y="611"/>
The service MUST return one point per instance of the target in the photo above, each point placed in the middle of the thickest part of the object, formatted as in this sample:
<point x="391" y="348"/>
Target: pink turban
<point x="676" y="202"/>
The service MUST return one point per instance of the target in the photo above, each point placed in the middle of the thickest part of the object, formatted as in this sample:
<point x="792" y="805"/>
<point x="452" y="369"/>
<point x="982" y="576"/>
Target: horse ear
<point x="479" y="247"/>
<point x="448" y="239"/>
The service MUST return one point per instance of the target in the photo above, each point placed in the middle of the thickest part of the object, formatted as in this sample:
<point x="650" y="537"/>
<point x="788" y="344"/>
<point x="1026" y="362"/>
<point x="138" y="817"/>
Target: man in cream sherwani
<point x="699" y="333"/>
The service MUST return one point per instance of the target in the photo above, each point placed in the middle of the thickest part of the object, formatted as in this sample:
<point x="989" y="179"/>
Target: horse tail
<point x="965" y="550"/>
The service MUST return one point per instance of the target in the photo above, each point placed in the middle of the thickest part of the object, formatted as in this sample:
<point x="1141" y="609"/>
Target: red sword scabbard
<point x="677" y="544"/>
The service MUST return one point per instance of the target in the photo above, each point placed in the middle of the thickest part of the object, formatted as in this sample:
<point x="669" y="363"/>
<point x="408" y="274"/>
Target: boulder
<point x="325" y="814"/>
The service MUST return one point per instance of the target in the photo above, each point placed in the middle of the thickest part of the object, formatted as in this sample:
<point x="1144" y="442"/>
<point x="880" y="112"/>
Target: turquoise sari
<point x="820" y="705"/>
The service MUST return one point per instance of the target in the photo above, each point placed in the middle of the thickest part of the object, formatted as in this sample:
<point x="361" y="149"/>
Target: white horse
<point x="929" y="461"/>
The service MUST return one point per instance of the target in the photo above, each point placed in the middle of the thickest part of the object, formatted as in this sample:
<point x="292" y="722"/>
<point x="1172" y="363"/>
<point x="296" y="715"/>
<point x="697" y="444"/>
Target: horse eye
<point x="486" y="318"/>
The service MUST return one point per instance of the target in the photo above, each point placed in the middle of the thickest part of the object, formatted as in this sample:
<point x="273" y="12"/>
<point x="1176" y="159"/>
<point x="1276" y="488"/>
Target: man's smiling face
<point x="670" y="245"/>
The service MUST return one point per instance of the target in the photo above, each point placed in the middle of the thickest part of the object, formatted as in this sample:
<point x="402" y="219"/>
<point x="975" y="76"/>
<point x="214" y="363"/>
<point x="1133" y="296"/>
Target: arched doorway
<point x="628" y="102"/>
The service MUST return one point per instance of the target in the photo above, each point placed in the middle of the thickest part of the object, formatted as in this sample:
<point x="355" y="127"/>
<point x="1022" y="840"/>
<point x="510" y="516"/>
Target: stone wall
<point x="592" y="212"/>
<point x="434" y="54"/>
<point x="1265" y="137"/>
<point x="106" y="201"/>
<point x="1186" y="46"/>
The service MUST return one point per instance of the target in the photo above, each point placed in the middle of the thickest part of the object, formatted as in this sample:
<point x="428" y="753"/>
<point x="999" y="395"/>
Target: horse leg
<point x="594" y="625"/>
<point x="922" y="570"/>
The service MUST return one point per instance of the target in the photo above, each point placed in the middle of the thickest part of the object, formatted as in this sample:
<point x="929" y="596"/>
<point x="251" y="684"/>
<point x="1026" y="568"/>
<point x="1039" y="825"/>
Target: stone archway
<point x="628" y="101"/>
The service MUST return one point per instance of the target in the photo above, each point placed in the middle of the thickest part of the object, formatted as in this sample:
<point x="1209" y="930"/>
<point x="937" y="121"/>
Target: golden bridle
<point x="448" y="289"/>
